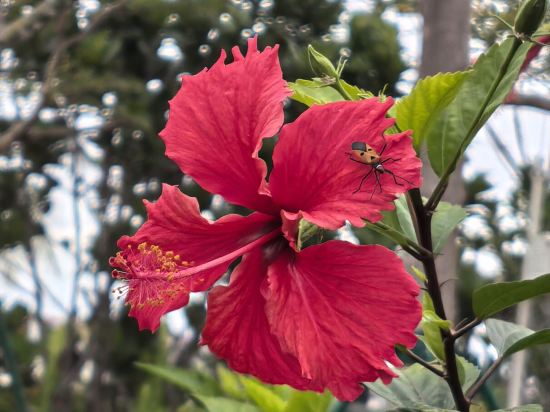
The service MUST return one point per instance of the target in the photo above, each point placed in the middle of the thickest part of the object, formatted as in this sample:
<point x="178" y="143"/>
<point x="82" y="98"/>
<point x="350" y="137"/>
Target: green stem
<point x="466" y="328"/>
<point x="422" y="362"/>
<point x="423" y="217"/>
<point x="479" y="384"/>
<point x="414" y="249"/>
<point x="11" y="364"/>
<point x="341" y="89"/>
<point x="442" y="184"/>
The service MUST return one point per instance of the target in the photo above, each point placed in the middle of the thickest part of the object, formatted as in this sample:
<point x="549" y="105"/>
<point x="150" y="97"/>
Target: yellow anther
<point x="142" y="246"/>
<point x="169" y="254"/>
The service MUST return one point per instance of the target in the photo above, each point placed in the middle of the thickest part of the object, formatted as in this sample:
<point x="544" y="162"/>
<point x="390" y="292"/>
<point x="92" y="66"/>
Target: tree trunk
<point x="445" y="48"/>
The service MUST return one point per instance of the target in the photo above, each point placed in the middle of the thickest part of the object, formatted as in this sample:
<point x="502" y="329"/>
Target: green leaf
<point x="426" y="101"/>
<point x="425" y="408"/>
<point x="493" y="298"/>
<point x="510" y="338"/>
<point x="404" y="217"/>
<point x="445" y="219"/>
<point x="309" y="402"/>
<point x="148" y="400"/>
<point x="391" y="233"/>
<point x="522" y="408"/>
<point x="56" y="343"/>
<point x="191" y="381"/>
<point x="266" y="399"/>
<point x="390" y="219"/>
<point x="419" y="274"/>
<point x="355" y="92"/>
<point x="431" y="325"/>
<point x="310" y="92"/>
<point x="399" y="220"/>
<point x="416" y="388"/>
<point x="217" y="404"/>
<point x="454" y="128"/>
<point x="467" y="372"/>
<point x="316" y="91"/>
<point x="230" y="383"/>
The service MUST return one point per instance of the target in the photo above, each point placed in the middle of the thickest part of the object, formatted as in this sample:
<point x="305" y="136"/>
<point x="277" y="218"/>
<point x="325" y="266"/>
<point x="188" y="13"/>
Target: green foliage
<point x="400" y="226"/>
<point x="444" y="221"/>
<point x="493" y="298"/>
<point x="310" y="92"/>
<point x="509" y="338"/>
<point x="55" y="345"/>
<point x="404" y="217"/>
<point x="230" y="383"/>
<point x="320" y="91"/>
<point x="480" y="93"/>
<point x="419" y="110"/>
<point x="431" y="325"/>
<point x="216" y="404"/>
<point x="190" y="381"/>
<point x="264" y="397"/>
<point x="240" y="393"/>
<point x="417" y="388"/>
<point x="396" y="225"/>
<point x="522" y="408"/>
<point x="308" y="402"/>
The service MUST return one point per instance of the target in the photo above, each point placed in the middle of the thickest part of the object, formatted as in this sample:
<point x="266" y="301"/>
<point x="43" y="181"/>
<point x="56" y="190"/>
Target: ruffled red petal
<point x="175" y="239"/>
<point x="341" y="309"/>
<point x="218" y="120"/>
<point x="312" y="172"/>
<point x="237" y="330"/>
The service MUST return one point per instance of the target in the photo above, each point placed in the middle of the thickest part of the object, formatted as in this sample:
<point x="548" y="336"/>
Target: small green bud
<point x="320" y="65"/>
<point x="529" y="17"/>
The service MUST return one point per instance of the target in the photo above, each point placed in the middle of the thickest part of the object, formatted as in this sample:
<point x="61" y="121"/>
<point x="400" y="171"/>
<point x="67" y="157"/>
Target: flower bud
<point x="529" y="17"/>
<point x="320" y="65"/>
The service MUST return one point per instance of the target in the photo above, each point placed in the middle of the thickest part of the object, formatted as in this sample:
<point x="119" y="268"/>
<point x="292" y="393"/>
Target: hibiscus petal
<point x="312" y="171"/>
<point x="237" y="330"/>
<point x="175" y="239"/>
<point x="218" y="120"/>
<point x="341" y="309"/>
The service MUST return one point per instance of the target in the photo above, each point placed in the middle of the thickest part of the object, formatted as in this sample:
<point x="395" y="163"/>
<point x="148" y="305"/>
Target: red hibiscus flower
<point x="327" y="316"/>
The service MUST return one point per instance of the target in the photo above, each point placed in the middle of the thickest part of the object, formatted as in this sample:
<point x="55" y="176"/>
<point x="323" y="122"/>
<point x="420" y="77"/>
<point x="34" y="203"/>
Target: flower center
<point x="147" y="260"/>
<point x="148" y="272"/>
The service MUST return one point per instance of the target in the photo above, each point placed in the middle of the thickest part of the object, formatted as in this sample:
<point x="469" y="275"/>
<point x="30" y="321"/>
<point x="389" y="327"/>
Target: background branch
<point x="28" y="24"/>
<point x="18" y="129"/>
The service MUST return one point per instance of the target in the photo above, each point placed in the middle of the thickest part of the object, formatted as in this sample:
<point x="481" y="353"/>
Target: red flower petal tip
<point x="218" y="120"/>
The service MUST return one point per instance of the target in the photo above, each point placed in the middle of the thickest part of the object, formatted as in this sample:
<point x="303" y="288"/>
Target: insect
<point x="362" y="153"/>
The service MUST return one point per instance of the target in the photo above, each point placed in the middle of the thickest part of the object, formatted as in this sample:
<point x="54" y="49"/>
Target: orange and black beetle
<point x="362" y="153"/>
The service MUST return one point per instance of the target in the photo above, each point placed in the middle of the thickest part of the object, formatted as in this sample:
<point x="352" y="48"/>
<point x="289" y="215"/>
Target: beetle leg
<point x="389" y="159"/>
<point x="384" y="146"/>
<point x="377" y="175"/>
<point x="378" y="182"/>
<point x="398" y="177"/>
<point x="363" y="180"/>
